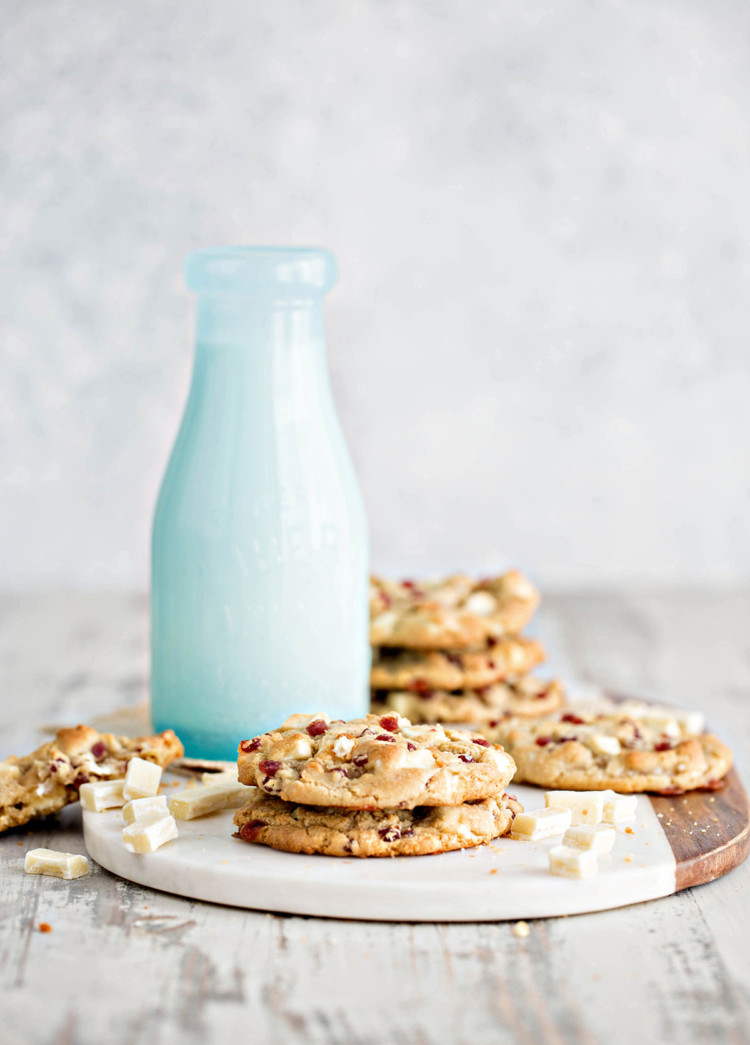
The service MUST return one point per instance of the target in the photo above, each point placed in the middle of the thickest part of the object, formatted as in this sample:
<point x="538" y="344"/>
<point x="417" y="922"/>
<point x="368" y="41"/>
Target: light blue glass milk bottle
<point x="259" y="603"/>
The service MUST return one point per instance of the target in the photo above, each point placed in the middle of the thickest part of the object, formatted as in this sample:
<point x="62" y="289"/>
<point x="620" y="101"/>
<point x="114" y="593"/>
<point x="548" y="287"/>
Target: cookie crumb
<point x="493" y="871"/>
<point x="629" y="831"/>
<point x="45" y="927"/>
<point x="521" y="930"/>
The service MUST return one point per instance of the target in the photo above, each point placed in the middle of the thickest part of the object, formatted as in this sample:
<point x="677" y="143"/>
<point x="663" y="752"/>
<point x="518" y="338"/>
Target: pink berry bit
<point x="543" y="741"/>
<point x="390" y="723"/>
<point x="99" y="749"/>
<point x="481" y="741"/>
<point x="574" y="720"/>
<point x="269" y="767"/>
<point x="317" y="727"/>
<point x="250" y="745"/>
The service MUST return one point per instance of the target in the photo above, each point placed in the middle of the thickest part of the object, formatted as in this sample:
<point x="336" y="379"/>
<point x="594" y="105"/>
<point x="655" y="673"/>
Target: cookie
<point x="590" y="750"/>
<point x="373" y="763"/>
<point x="474" y="668"/>
<point x="526" y="697"/>
<point x="449" y="613"/>
<point x="48" y="779"/>
<point x="378" y="832"/>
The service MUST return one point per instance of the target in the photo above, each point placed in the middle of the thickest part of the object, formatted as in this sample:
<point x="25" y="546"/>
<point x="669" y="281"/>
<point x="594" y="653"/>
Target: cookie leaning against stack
<point x="373" y="787"/>
<point x="450" y="650"/>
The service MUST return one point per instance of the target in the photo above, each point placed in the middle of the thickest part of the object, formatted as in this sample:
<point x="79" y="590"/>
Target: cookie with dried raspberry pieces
<point x="418" y="671"/>
<point x="451" y="612"/>
<point x="45" y="781"/>
<point x="581" y="749"/>
<point x="379" y="832"/>
<point x="526" y="697"/>
<point x="373" y="763"/>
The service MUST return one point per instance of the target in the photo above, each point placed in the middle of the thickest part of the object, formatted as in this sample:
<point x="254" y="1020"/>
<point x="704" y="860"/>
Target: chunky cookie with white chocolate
<point x="526" y="697"/>
<point x="373" y="763"/>
<point x="379" y="832"/>
<point x="418" y="672"/>
<point x="50" y="778"/>
<point x="451" y="612"/>
<point x="582" y="750"/>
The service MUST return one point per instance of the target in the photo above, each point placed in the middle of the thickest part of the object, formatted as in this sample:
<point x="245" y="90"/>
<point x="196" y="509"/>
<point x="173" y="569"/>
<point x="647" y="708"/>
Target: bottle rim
<point x="247" y="270"/>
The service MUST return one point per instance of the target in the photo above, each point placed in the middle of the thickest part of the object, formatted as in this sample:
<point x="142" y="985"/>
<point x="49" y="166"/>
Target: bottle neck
<point x="258" y="324"/>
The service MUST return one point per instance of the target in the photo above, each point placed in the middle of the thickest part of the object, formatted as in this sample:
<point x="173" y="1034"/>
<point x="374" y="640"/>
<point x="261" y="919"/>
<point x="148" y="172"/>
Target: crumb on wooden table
<point x="45" y="927"/>
<point x="521" y="930"/>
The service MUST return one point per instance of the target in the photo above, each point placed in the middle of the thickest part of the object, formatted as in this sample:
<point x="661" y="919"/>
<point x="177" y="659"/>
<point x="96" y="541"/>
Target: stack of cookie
<point x="376" y="786"/>
<point x="451" y="651"/>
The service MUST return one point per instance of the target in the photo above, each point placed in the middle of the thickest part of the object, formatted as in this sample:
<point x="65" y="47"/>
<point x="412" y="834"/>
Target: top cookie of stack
<point x="450" y="650"/>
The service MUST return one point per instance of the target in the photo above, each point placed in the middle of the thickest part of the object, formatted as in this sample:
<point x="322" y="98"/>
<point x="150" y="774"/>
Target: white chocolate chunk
<point x="57" y="865"/>
<point x="105" y="794"/>
<point x="298" y="746"/>
<point x="603" y="744"/>
<point x="142" y="779"/>
<point x="139" y="808"/>
<point x="301" y="721"/>
<point x="666" y="724"/>
<point x="586" y="806"/>
<point x="342" y="747"/>
<point x="691" y="721"/>
<point x="618" y="807"/>
<point x="598" y="837"/>
<point x="544" y="823"/>
<point x="481" y="603"/>
<point x="572" y="863"/>
<point x="200" y="801"/>
<point x="422" y="758"/>
<point x="148" y="834"/>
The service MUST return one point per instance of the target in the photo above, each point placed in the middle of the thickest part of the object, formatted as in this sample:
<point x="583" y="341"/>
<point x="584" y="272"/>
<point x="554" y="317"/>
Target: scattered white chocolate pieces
<point x="141" y="780"/>
<point x="148" y="833"/>
<point x="138" y="808"/>
<point x="618" y="808"/>
<point x="200" y="801"/>
<point x="586" y="807"/>
<point x="531" y="827"/>
<point x="105" y="794"/>
<point x="57" y="865"/>
<point x="570" y="862"/>
<point x="599" y="838"/>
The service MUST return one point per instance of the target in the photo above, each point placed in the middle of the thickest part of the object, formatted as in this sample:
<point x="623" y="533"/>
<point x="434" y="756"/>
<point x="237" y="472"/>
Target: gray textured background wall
<point x="539" y="343"/>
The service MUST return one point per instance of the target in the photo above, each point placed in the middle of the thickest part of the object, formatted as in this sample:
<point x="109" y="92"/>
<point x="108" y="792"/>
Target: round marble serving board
<point x="675" y="842"/>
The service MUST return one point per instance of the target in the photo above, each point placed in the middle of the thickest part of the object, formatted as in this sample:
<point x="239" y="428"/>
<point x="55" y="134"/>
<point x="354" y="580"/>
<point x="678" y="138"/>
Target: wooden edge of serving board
<point x="708" y="831"/>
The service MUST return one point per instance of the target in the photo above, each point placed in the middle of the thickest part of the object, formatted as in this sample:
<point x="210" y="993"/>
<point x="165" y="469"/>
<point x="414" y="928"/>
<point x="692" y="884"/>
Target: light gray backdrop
<point x="541" y="211"/>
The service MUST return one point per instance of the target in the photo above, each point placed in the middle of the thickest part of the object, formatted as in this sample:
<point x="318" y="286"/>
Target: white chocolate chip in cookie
<point x="603" y="744"/>
<point x="299" y="747"/>
<point x="342" y="746"/>
<point x="481" y="603"/>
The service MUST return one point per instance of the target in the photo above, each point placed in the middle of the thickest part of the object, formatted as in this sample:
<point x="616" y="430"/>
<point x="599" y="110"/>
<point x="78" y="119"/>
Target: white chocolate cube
<point x="568" y="862"/>
<point x="142" y="779"/>
<point x="149" y="833"/>
<point x="691" y="721"/>
<point x="544" y="823"/>
<point x="56" y="865"/>
<point x="585" y="806"/>
<point x="105" y="794"/>
<point x="618" y="807"/>
<point x="598" y="837"/>
<point x="138" y="808"/>
<point x="200" y="801"/>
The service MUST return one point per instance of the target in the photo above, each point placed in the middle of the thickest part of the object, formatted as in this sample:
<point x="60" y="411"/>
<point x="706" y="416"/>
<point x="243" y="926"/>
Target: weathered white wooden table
<point x="124" y="965"/>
